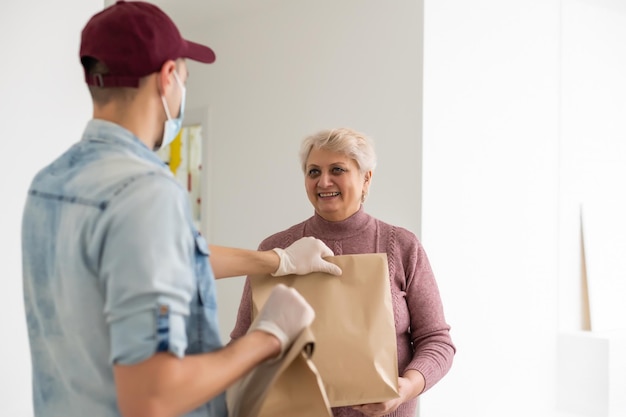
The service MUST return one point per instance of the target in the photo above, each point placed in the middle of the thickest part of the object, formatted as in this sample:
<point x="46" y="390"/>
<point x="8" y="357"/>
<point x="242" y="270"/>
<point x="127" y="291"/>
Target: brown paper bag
<point x="290" y="386"/>
<point x="355" y="351"/>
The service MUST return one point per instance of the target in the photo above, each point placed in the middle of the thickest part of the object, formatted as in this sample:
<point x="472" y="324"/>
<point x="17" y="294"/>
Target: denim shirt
<point x="114" y="271"/>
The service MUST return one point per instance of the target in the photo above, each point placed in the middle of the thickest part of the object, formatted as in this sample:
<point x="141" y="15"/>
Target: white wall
<point x="44" y="108"/>
<point x="490" y="200"/>
<point x="593" y="146"/>
<point x="523" y="118"/>
<point x="288" y="72"/>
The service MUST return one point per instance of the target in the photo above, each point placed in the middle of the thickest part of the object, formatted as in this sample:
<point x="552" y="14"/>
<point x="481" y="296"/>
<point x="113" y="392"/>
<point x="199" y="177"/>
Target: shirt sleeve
<point x="147" y="269"/>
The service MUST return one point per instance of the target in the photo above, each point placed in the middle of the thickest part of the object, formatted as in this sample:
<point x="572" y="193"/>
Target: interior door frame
<point x="193" y="117"/>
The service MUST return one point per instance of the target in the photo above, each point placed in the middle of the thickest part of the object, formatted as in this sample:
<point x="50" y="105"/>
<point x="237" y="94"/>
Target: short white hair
<point x="349" y="142"/>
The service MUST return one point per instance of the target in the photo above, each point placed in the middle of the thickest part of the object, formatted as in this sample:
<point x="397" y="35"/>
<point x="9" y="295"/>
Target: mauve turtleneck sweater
<point x="423" y="337"/>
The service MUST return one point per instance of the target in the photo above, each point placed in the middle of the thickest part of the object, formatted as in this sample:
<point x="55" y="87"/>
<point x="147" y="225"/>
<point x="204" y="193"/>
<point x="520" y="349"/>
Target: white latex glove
<point x="305" y="256"/>
<point x="285" y="314"/>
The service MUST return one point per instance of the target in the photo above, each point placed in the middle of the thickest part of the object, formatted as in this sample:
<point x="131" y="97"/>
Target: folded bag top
<point x="290" y="386"/>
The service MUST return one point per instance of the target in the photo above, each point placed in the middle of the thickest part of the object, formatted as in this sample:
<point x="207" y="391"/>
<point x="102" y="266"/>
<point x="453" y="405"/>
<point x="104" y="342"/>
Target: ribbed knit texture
<point x="423" y="338"/>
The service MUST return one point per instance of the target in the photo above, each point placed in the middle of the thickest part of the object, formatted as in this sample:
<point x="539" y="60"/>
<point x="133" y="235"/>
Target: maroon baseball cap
<point x="134" y="39"/>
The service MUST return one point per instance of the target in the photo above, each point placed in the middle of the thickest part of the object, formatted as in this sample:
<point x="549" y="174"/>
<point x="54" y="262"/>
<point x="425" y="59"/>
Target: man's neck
<point x="134" y="118"/>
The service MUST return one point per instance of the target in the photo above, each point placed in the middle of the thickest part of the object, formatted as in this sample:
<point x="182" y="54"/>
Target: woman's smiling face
<point x="334" y="184"/>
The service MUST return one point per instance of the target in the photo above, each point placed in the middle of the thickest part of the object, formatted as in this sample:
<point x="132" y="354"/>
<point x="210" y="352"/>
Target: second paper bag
<point x="355" y="352"/>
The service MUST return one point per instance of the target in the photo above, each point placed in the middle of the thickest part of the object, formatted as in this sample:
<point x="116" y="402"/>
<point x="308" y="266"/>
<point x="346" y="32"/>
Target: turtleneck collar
<point x="353" y="225"/>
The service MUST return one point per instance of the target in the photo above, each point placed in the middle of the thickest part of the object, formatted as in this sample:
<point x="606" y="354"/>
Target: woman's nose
<point x="324" y="180"/>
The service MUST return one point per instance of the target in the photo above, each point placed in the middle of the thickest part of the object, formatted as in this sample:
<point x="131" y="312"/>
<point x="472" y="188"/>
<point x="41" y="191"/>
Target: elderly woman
<point x="338" y="166"/>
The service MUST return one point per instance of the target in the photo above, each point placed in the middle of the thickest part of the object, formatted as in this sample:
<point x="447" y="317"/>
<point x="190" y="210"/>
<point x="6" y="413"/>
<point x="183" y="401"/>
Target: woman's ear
<point x="367" y="179"/>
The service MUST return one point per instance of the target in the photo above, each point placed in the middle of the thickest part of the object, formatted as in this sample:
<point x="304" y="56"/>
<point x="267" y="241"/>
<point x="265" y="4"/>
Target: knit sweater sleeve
<point x="244" y="314"/>
<point x="432" y="345"/>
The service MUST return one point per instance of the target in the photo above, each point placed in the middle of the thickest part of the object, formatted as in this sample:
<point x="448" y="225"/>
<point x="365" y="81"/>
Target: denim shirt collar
<point x="99" y="130"/>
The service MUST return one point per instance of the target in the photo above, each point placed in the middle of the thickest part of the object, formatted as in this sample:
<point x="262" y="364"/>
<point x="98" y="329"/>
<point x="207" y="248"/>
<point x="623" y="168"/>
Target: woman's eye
<point x="313" y="172"/>
<point x="337" y="170"/>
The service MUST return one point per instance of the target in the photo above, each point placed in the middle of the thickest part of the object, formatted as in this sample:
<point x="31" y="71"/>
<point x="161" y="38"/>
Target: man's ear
<point x="165" y="78"/>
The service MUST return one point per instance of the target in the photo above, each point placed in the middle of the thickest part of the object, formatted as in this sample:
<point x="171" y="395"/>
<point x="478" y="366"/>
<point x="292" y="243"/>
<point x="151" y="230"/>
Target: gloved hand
<point x="285" y="314"/>
<point x="305" y="256"/>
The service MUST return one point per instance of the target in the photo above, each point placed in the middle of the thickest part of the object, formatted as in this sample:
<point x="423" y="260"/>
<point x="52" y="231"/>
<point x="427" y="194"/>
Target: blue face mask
<point x="173" y="126"/>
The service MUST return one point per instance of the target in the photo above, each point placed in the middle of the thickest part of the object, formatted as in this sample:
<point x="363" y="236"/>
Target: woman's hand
<point x="409" y="386"/>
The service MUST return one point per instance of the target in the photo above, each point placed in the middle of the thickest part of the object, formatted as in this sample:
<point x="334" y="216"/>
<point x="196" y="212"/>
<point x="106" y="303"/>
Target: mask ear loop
<point x="167" y="111"/>
<point x="180" y="83"/>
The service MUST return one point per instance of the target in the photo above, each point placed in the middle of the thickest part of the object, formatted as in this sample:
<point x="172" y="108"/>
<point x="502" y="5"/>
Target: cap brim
<point x="200" y="53"/>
